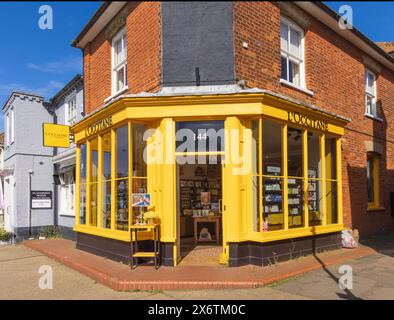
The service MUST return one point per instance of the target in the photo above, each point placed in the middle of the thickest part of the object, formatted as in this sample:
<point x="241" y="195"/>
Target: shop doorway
<point x="199" y="214"/>
<point x="199" y="183"/>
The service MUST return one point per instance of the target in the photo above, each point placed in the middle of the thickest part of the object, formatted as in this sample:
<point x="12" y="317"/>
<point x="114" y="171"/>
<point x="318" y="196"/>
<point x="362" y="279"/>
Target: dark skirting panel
<point x="263" y="254"/>
<point x="119" y="250"/>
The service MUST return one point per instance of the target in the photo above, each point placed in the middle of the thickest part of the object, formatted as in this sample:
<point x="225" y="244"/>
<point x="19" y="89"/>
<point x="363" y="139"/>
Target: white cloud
<point x="48" y="90"/>
<point x="66" y="65"/>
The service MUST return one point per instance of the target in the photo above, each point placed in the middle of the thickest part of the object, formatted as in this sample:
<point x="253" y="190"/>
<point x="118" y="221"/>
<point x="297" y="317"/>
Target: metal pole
<point x="30" y="173"/>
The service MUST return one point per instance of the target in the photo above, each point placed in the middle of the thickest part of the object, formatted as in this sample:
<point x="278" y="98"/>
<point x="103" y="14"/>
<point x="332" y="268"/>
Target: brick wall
<point x="143" y="56"/>
<point x="335" y="73"/>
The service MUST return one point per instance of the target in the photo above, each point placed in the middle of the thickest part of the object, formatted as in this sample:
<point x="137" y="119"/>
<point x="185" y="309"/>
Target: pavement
<point x="19" y="280"/>
<point x="372" y="278"/>
<point x="120" y="277"/>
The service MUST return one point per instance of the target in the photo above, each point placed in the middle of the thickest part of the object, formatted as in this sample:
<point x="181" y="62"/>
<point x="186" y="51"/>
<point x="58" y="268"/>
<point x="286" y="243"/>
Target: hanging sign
<point x="140" y="200"/>
<point x="301" y="119"/>
<point x="56" y="135"/>
<point x="41" y="199"/>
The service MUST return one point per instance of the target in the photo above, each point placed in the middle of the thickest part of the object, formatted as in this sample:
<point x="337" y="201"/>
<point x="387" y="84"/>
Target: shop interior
<point x="199" y="208"/>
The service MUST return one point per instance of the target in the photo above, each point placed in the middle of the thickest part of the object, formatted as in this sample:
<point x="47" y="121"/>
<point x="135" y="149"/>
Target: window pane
<point x="370" y="179"/>
<point x="93" y="203"/>
<point x="314" y="161"/>
<point x="315" y="202"/>
<point x="368" y="102"/>
<point x="255" y="146"/>
<point x="295" y="42"/>
<point x="331" y="155"/>
<point x="118" y="51"/>
<point x="272" y="148"/>
<point x="83" y="163"/>
<point x="294" y="72"/>
<point x="122" y="209"/>
<point x="106" y="198"/>
<point x="139" y="147"/>
<point x="294" y="152"/>
<point x="120" y="75"/>
<point x="283" y="66"/>
<point x="256" y="204"/>
<point x="272" y="204"/>
<point x="331" y="202"/>
<point x="284" y="35"/>
<point x="138" y="186"/>
<point x="122" y="152"/>
<point x="82" y="208"/>
<point x="295" y="202"/>
<point x="94" y="161"/>
<point x="106" y="141"/>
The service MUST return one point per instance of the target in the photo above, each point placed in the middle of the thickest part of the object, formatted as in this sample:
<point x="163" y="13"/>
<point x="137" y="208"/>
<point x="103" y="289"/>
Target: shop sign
<point x="41" y="199"/>
<point x="140" y="200"/>
<point x="303" y="120"/>
<point x="56" y="135"/>
<point x="98" y="126"/>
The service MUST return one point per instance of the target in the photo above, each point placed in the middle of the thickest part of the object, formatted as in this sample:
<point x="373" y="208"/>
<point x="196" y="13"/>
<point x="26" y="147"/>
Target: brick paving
<point x="121" y="278"/>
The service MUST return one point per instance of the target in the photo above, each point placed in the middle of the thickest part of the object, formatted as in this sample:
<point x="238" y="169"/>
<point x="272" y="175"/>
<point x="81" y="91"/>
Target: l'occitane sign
<point x="56" y="135"/>
<point x="301" y="119"/>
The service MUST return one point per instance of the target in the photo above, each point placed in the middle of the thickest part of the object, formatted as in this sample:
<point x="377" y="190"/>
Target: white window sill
<point x="371" y="116"/>
<point x="116" y="94"/>
<point x="294" y="86"/>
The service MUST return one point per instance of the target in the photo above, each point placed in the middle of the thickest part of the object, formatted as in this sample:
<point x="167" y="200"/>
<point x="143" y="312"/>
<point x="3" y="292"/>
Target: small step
<point x="144" y="255"/>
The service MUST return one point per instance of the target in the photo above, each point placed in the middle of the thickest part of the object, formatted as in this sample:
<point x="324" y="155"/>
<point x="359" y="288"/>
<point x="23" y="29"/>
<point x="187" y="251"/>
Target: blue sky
<point x="43" y="61"/>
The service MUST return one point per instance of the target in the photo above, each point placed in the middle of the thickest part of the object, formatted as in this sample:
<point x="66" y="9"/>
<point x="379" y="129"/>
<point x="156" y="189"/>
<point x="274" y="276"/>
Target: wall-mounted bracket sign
<point x="56" y="135"/>
<point x="41" y="199"/>
<point x="98" y="126"/>
<point x="303" y="120"/>
<point x="140" y="200"/>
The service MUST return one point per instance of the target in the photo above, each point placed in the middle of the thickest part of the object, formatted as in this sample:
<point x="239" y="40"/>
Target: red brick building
<point x="295" y="52"/>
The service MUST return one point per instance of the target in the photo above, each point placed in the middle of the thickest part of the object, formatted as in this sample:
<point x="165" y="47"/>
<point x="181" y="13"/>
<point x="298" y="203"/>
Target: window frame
<point x="67" y="191"/>
<point x="371" y="113"/>
<point x="116" y="67"/>
<point x="72" y="96"/>
<point x="290" y="56"/>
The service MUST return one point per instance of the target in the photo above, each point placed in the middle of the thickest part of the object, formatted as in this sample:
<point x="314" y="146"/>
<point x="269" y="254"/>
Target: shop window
<point x="67" y="192"/>
<point x="292" y="53"/>
<point x="315" y="202"/>
<point x="122" y="178"/>
<point x="295" y="182"/>
<point x="106" y="180"/>
<point x="119" y="62"/>
<point x="272" y="180"/>
<point x="373" y="180"/>
<point x="139" y="177"/>
<point x="370" y="94"/>
<point x="331" y="180"/>
<point x="82" y="186"/>
<point x="93" y="185"/>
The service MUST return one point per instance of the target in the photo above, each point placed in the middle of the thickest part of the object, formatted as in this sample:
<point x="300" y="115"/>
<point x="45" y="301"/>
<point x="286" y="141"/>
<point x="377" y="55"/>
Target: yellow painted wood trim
<point x="88" y="177"/>
<point x="99" y="182"/>
<point x="305" y="175"/>
<point x="288" y="234"/>
<point x="130" y="189"/>
<point x="112" y="234"/>
<point x="339" y="178"/>
<point x="77" y="184"/>
<point x="259" y="151"/>
<point x="285" y="204"/>
<point x="113" y="181"/>
<point x="323" y="177"/>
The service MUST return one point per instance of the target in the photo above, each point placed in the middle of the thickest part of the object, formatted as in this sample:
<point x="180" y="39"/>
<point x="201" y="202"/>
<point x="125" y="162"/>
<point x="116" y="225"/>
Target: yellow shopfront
<point x="267" y="168"/>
